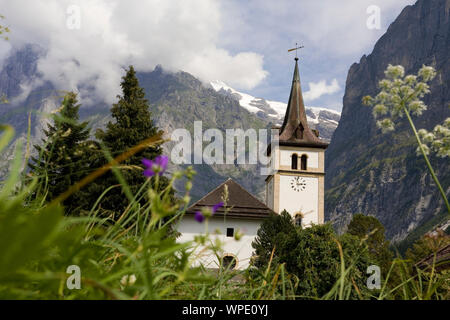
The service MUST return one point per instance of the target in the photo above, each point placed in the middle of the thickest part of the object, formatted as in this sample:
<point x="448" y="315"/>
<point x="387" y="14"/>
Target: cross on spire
<point x="297" y="47"/>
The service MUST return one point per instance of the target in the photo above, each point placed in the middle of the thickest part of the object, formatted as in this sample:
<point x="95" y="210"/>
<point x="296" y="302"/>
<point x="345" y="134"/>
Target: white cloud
<point x="180" y="35"/>
<point x="337" y="28"/>
<point x="318" y="89"/>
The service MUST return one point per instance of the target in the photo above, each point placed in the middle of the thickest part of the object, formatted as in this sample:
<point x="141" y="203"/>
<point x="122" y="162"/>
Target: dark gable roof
<point x="240" y="204"/>
<point x="295" y="119"/>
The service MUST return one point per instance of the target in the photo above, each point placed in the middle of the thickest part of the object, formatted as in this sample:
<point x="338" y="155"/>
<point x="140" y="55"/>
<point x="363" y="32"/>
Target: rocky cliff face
<point x="379" y="174"/>
<point x="178" y="100"/>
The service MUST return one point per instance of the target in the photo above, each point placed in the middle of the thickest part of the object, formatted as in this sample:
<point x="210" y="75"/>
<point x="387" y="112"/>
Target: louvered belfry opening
<point x="304" y="162"/>
<point x="294" y="163"/>
<point x="299" y="132"/>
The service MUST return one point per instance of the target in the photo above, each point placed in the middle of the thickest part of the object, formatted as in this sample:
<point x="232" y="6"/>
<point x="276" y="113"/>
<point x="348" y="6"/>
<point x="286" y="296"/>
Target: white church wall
<point x="242" y="249"/>
<point x="306" y="201"/>
<point x="275" y="158"/>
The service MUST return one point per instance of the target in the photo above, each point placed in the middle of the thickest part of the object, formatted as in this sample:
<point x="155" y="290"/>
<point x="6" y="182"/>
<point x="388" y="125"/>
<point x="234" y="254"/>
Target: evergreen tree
<point x="62" y="158"/>
<point x="277" y="231"/>
<point x="133" y="124"/>
<point x="310" y="253"/>
<point x="372" y="230"/>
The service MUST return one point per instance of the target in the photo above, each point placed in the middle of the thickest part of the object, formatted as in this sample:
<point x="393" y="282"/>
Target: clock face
<point x="298" y="184"/>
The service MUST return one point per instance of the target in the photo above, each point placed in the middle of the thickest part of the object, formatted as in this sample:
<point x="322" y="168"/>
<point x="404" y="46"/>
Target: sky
<point x="242" y="43"/>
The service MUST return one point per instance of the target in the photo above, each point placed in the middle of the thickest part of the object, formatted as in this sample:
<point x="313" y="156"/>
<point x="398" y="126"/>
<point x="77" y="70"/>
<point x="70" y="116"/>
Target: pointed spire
<point x="296" y="72"/>
<point x="295" y="129"/>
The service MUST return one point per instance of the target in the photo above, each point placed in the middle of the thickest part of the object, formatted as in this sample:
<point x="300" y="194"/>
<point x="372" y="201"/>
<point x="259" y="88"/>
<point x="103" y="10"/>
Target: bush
<point x="311" y="254"/>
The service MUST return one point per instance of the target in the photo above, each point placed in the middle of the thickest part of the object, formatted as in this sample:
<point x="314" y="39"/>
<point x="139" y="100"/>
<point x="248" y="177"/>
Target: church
<point x="296" y="185"/>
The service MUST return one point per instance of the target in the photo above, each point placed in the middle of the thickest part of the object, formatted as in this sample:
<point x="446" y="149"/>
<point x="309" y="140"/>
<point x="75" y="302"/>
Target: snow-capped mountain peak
<point x="323" y="119"/>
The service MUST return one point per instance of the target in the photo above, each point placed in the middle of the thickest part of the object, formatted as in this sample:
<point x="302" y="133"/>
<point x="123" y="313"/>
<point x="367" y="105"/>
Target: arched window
<point x="294" y="163"/>
<point x="229" y="261"/>
<point x="304" y="162"/>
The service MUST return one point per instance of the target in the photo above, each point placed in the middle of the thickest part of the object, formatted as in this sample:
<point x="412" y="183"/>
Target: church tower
<point x="297" y="183"/>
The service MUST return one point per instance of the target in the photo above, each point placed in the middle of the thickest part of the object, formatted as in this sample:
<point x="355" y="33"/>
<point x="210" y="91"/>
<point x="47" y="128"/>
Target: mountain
<point x="322" y="119"/>
<point x="380" y="174"/>
<point x="177" y="100"/>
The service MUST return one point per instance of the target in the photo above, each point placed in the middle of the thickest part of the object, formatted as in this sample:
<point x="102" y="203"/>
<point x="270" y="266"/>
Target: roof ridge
<point x="258" y="203"/>
<point x="196" y="202"/>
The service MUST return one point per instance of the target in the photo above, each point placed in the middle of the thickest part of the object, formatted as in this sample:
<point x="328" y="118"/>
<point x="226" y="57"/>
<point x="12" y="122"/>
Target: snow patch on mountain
<point x="275" y="109"/>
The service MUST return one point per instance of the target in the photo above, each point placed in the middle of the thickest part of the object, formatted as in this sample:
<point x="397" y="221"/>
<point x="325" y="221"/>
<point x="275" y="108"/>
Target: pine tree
<point x="277" y="231"/>
<point x="133" y="124"/>
<point x="62" y="158"/>
<point x="372" y="231"/>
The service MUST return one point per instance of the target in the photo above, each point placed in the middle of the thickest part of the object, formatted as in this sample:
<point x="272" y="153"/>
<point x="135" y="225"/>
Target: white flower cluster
<point x="400" y="94"/>
<point x="128" y="280"/>
<point x="438" y="140"/>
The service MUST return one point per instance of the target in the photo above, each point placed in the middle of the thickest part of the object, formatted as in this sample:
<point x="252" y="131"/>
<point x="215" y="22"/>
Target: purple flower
<point x="156" y="166"/>
<point x="217" y="207"/>
<point x="199" y="217"/>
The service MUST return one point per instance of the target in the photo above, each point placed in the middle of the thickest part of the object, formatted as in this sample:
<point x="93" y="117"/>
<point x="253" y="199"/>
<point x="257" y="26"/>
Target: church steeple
<point x="297" y="180"/>
<point x="295" y="130"/>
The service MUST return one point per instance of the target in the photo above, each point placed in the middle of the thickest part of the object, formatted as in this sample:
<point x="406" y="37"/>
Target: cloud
<point x="318" y="89"/>
<point x="180" y="35"/>
<point x="338" y="28"/>
<point x="334" y="33"/>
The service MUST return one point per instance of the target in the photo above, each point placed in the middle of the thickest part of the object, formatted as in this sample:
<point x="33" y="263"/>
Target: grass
<point x="137" y="257"/>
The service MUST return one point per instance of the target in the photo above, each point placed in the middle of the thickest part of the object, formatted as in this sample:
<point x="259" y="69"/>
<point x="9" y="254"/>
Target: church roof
<point x="295" y="130"/>
<point x="240" y="204"/>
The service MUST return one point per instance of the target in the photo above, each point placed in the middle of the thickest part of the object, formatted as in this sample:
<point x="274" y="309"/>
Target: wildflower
<point x="410" y="79"/>
<point x="441" y="130"/>
<point x="200" y="216"/>
<point x="406" y="91"/>
<point x="385" y="84"/>
<point x="128" y="280"/>
<point x="427" y="73"/>
<point x="217" y="207"/>
<point x="422" y="89"/>
<point x="447" y="122"/>
<point x="417" y="107"/>
<point x="386" y="125"/>
<point x="382" y="96"/>
<point x="394" y="72"/>
<point x="367" y="100"/>
<point x="156" y="166"/>
<point x="426" y="149"/>
<point x="428" y="138"/>
<point x="379" y="109"/>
